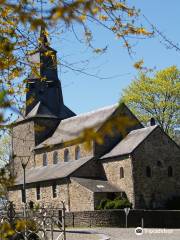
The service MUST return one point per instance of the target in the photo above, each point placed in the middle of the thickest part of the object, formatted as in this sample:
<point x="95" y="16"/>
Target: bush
<point x="110" y="205"/>
<point x="102" y="204"/>
<point x="117" y="203"/>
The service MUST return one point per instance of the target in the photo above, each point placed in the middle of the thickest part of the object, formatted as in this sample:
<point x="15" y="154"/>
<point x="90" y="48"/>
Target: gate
<point x="33" y="223"/>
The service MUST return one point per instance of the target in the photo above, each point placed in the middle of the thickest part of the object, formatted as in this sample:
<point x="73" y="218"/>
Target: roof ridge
<point x="142" y="129"/>
<point x="91" y="112"/>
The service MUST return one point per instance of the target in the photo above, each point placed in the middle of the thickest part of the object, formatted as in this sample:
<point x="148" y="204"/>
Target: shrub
<point x="117" y="203"/>
<point x="110" y="205"/>
<point x="102" y="204"/>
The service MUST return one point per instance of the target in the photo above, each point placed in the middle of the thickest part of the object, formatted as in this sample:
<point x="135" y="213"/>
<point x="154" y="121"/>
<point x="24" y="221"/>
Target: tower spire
<point x="43" y="37"/>
<point x="45" y="87"/>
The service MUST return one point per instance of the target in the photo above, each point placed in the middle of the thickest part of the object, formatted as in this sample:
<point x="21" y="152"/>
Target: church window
<point x="38" y="193"/>
<point x="55" y="157"/>
<point x="54" y="190"/>
<point x="159" y="164"/>
<point x="170" y="171"/>
<point x="23" y="196"/>
<point x="148" y="171"/>
<point x="45" y="160"/>
<point x="77" y="153"/>
<point x="66" y="155"/>
<point x="121" y="172"/>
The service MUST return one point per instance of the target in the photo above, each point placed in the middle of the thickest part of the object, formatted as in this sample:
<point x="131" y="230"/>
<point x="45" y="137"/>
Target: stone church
<point x="142" y="163"/>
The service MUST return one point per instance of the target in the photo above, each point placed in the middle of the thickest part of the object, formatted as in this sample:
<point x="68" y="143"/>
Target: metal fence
<point x="33" y="223"/>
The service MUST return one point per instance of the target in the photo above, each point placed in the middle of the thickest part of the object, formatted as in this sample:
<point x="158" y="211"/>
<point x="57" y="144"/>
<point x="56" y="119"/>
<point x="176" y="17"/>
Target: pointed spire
<point x="43" y="37"/>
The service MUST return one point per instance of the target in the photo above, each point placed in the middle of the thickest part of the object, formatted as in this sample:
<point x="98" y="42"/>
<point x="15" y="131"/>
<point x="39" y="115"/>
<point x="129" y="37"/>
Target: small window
<point x="54" y="190"/>
<point x="38" y="193"/>
<point x="66" y="155"/>
<point x="159" y="164"/>
<point x="148" y="172"/>
<point x="170" y="171"/>
<point x="121" y="172"/>
<point x="55" y="157"/>
<point x="23" y="197"/>
<point x="77" y="153"/>
<point x="45" y="161"/>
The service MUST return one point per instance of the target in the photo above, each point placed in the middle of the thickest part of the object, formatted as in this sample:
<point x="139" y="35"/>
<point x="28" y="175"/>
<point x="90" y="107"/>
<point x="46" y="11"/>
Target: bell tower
<point x="43" y="85"/>
<point x="44" y="107"/>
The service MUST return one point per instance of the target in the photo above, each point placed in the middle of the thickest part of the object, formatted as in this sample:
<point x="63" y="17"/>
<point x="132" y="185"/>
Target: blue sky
<point x="83" y="93"/>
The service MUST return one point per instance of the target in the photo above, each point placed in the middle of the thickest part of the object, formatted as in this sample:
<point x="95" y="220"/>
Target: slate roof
<point x="50" y="172"/>
<point x="42" y="111"/>
<point x="130" y="142"/>
<point x="96" y="185"/>
<point x="71" y="128"/>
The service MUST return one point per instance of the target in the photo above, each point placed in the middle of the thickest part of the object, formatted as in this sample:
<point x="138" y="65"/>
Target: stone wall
<point x="75" y="196"/>
<point x="116" y="218"/>
<point x="46" y="195"/>
<point x="112" y="170"/>
<point x="84" y="153"/>
<point x="81" y="199"/>
<point x="23" y="140"/>
<point x="158" y="152"/>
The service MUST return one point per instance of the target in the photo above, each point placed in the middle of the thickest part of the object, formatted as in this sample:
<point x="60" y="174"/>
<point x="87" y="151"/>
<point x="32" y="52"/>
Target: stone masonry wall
<point x="75" y="196"/>
<point x="23" y="141"/>
<point x="84" y="153"/>
<point x="81" y="199"/>
<point x="116" y="218"/>
<point x="112" y="170"/>
<point x="154" y="191"/>
<point x="46" y="195"/>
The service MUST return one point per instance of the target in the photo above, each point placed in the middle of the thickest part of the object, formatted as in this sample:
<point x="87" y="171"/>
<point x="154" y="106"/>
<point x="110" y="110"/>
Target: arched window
<point x="55" y="157"/>
<point x="159" y="164"/>
<point x="45" y="160"/>
<point x="121" y="172"/>
<point x="148" y="172"/>
<point x="77" y="153"/>
<point x="170" y="171"/>
<point x="38" y="193"/>
<point x="54" y="190"/>
<point x="66" y="155"/>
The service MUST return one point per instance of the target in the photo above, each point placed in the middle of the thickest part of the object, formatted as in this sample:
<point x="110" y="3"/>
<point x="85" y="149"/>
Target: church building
<point x="124" y="159"/>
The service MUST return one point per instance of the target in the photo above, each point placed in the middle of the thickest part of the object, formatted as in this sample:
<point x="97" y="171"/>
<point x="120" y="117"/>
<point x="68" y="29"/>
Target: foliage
<point x="16" y="230"/>
<point x="156" y="96"/>
<point x="117" y="203"/>
<point x="21" y="19"/>
<point x="177" y="137"/>
<point x="173" y="203"/>
<point x="5" y="149"/>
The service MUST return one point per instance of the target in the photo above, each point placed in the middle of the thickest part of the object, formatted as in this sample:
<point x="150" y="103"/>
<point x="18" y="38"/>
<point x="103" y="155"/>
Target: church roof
<point x="130" y="142"/>
<point x="96" y="185"/>
<point x="52" y="172"/>
<point x="42" y="111"/>
<point x="72" y="128"/>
